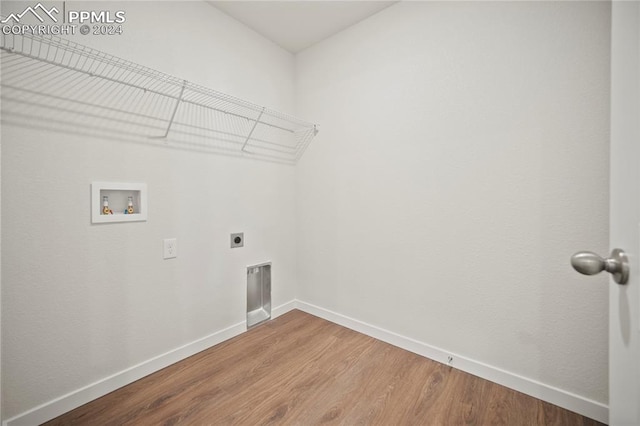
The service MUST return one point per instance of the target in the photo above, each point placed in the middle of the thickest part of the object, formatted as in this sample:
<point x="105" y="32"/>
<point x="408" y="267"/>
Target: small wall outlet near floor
<point x="170" y="248"/>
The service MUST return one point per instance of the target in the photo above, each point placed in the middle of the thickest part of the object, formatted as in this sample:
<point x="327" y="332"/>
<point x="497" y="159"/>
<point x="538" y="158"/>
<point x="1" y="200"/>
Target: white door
<point x="624" y="229"/>
<point x="624" y="232"/>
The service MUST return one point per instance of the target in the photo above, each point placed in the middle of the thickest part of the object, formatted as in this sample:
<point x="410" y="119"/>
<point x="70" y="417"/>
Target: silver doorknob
<point x="589" y="263"/>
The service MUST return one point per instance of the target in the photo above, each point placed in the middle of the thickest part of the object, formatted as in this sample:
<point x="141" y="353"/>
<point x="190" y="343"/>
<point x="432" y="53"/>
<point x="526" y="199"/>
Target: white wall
<point x="1" y="267"/>
<point x="81" y="302"/>
<point x="463" y="158"/>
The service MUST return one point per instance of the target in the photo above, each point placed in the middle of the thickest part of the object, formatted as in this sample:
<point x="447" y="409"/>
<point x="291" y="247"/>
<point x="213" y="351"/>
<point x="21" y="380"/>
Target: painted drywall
<point x="81" y="302"/>
<point x="463" y="158"/>
<point x="0" y="266"/>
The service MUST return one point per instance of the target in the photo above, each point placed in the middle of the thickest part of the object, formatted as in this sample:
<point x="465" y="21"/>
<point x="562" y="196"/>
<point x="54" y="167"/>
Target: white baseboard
<point x="75" y="399"/>
<point x="283" y="309"/>
<point x="559" y="397"/>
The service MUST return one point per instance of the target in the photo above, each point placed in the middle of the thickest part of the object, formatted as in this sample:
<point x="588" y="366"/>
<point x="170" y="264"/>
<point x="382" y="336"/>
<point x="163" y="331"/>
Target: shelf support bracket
<point x="252" y="129"/>
<point x="173" y="113"/>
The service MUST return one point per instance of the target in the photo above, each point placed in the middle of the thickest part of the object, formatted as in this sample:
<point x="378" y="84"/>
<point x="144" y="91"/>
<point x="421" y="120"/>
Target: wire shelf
<point x="70" y="87"/>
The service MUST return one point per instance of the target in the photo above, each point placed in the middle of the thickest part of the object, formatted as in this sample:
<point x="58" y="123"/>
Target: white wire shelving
<point x="53" y="82"/>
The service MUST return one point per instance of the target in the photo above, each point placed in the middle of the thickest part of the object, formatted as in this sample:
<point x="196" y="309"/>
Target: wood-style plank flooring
<point x="302" y="370"/>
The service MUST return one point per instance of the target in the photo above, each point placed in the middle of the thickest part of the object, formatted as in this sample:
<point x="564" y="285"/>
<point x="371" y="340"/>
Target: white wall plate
<point x="118" y="195"/>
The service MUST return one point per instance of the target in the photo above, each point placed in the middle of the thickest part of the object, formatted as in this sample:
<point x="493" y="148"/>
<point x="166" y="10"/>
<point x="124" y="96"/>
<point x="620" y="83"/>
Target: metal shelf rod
<point x="91" y="87"/>
<point x="175" y="109"/>
<point x="157" y="92"/>
<point x="252" y="130"/>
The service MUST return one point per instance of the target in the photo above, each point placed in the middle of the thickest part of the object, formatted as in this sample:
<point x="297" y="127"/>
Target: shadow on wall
<point x="52" y="84"/>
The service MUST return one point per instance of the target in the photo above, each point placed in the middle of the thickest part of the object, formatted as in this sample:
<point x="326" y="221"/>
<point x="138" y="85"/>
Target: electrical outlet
<point x="237" y="240"/>
<point x="170" y="248"/>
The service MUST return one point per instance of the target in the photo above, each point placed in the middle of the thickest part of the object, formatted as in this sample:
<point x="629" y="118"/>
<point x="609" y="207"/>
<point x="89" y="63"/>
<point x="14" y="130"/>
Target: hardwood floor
<point x="301" y="370"/>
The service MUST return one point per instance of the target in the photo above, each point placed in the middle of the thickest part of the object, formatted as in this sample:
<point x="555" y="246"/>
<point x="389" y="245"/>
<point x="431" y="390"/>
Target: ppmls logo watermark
<point x="33" y="11"/>
<point x="43" y="20"/>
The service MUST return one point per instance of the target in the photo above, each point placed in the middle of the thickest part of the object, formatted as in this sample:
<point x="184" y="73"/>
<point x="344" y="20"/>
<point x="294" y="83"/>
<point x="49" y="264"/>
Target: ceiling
<point x="296" y="25"/>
